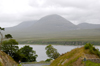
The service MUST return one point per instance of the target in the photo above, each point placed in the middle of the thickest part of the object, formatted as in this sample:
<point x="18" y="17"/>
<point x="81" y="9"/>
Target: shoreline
<point x="57" y="45"/>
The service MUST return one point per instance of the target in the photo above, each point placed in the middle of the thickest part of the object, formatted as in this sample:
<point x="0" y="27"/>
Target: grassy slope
<point x="89" y="63"/>
<point x="6" y="58"/>
<point x="1" y="64"/>
<point x="68" y="58"/>
<point x="72" y="58"/>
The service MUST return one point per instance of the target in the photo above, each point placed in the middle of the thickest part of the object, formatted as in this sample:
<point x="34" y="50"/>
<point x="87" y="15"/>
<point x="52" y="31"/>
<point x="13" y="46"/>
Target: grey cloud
<point x="9" y="17"/>
<point x="76" y="11"/>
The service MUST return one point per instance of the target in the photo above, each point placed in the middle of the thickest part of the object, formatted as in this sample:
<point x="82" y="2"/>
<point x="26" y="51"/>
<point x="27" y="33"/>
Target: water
<point x="35" y="64"/>
<point x="41" y="52"/>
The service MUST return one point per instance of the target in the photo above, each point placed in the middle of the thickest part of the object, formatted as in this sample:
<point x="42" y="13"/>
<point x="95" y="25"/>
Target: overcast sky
<point x="13" y="12"/>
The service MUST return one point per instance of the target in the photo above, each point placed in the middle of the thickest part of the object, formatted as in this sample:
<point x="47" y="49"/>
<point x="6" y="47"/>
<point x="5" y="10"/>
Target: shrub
<point x="92" y="49"/>
<point x="48" y="60"/>
<point x="88" y="46"/>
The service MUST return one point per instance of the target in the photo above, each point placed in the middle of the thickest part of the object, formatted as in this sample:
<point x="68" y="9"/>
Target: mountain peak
<point x="53" y="23"/>
<point x="54" y="15"/>
<point x="54" y="18"/>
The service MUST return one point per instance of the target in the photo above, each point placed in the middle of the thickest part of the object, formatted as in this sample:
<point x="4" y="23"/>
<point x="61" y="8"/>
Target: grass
<point x="63" y="40"/>
<point x="68" y="58"/>
<point x="59" y="42"/>
<point x="77" y="38"/>
<point x="89" y="63"/>
<point x="61" y="37"/>
<point x="19" y="65"/>
<point x="1" y="64"/>
<point x="75" y="58"/>
<point x="7" y="58"/>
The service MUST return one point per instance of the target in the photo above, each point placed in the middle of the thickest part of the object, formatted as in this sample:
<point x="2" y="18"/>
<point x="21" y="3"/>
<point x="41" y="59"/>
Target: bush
<point x="88" y="46"/>
<point x="48" y="60"/>
<point x="92" y="49"/>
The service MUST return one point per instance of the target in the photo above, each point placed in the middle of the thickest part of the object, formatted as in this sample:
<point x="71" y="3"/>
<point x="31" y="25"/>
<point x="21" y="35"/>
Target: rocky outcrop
<point x="96" y="60"/>
<point x="6" y="60"/>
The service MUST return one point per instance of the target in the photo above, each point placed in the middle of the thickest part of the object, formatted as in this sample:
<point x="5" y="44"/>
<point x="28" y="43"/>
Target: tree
<point x="51" y="52"/>
<point x="29" y="53"/>
<point x="8" y="36"/>
<point x="10" y="47"/>
<point x="1" y="35"/>
<point x="18" y="56"/>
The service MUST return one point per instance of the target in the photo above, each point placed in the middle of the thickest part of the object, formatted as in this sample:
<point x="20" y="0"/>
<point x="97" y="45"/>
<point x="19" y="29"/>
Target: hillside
<point x="21" y="26"/>
<point x="88" y="26"/>
<point x="75" y="57"/>
<point x="68" y="37"/>
<point x="6" y="60"/>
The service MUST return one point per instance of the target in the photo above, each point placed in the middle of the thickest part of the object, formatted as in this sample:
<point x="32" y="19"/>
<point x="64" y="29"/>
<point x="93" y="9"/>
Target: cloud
<point x="74" y="10"/>
<point x="77" y="11"/>
<point x="11" y="11"/>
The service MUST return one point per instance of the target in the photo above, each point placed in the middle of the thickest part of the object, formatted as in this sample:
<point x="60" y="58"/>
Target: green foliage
<point x="19" y="65"/>
<point x="48" y="60"/>
<point x="92" y="49"/>
<point x="1" y="36"/>
<point x="89" y="63"/>
<point x="88" y="46"/>
<point x="2" y="28"/>
<point x="51" y="52"/>
<point x="8" y="36"/>
<point x="18" y="56"/>
<point x="25" y="54"/>
<point x="10" y="47"/>
<point x="29" y="53"/>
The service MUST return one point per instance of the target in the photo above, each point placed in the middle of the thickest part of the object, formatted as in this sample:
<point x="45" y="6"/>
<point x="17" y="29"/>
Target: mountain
<point x="52" y="23"/>
<point x="21" y="26"/>
<point x="52" y="26"/>
<point x="48" y="24"/>
<point x="88" y="26"/>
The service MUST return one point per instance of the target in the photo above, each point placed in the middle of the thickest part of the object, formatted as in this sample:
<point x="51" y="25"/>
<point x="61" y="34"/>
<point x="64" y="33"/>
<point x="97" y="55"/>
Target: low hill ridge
<point x="88" y="26"/>
<point x="75" y="57"/>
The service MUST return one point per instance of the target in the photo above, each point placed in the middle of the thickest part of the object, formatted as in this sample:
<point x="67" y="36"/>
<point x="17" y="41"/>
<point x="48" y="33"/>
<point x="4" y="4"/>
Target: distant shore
<point x="57" y="44"/>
